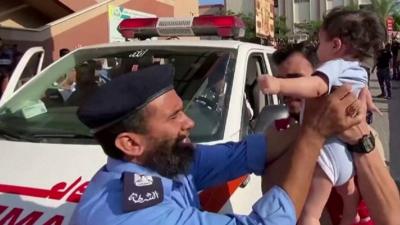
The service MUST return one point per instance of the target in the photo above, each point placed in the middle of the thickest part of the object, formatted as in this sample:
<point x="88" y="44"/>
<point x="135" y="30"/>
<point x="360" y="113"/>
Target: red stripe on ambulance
<point x="13" y="217"/>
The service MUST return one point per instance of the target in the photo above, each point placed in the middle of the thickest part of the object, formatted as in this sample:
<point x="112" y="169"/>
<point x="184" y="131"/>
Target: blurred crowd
<point x="387" y="64"/>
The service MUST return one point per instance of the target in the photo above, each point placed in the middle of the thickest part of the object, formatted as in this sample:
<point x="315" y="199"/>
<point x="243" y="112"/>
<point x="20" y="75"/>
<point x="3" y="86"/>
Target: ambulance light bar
<point x="222" y="26"/>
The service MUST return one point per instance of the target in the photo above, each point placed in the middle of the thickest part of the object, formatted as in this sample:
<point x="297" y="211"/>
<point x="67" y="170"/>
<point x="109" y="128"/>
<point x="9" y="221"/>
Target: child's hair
<point x="361" y="30"/>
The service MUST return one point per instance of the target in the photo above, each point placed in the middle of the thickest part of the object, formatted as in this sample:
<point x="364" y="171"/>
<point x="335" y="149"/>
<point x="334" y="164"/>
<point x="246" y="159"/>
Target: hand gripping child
<point x="345" y="38"/>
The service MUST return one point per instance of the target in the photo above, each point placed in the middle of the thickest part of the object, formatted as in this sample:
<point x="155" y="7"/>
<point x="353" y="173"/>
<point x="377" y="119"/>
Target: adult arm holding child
<point x="374" y="180"/>
<point x="295" y="175"/>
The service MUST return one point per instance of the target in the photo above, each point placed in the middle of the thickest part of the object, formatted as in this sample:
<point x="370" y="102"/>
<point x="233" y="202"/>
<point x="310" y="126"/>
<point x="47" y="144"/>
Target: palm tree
<point x="353" y="5"/>
<point x="384" y="8"/>
<point x="310" y="29"/>
<point x="396" y="17"/>
<point x="281" y="29"/>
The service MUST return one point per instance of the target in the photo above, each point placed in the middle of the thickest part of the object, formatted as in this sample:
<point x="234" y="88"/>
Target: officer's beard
<point x="170" y="157"/>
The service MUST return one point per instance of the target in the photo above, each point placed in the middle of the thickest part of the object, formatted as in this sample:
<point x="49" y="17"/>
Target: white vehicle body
<point x="41" y="182"/>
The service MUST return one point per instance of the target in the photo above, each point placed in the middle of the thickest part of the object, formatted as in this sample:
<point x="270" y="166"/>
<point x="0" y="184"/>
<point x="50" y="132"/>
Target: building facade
<point x="56" y="24"/>
<point x="262" y="10"/>
<point x="185" y="8"/>
<point x="240" y="6"/>
<point x="215" y="9"/>
<point x="303" y="11"/>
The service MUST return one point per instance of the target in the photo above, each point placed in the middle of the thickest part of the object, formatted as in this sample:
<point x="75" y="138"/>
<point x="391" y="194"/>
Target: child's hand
<point x="371" y="105"/>
<point x="269" y="84"/>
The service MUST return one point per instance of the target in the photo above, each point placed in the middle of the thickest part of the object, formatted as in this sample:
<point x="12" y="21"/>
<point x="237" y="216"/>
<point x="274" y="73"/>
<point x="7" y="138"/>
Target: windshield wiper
<point x="14" y="136"/>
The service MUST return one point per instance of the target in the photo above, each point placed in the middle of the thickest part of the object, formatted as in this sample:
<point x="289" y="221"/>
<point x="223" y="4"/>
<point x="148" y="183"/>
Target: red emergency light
<point x="222" y="26"/>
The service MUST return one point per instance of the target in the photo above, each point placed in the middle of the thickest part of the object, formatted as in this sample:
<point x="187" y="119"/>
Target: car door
<point x="243" y="191"/>
<point x="254" y="100"/>
<point x="29" y="65"/>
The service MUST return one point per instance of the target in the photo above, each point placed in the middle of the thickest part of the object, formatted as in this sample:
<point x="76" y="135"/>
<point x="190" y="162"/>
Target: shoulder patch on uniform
<point x="141" y="191"/>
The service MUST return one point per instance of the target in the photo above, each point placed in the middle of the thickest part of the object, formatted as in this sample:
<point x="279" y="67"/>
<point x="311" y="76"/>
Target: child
<point x="345" y="38"/>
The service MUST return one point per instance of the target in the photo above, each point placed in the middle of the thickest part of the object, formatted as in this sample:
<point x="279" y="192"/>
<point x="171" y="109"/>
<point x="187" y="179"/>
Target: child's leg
<point x="319" y="193"/>
<point x="351" y="198"/>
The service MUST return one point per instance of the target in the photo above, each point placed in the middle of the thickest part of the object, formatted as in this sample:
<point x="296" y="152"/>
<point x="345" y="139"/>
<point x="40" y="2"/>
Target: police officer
<point x="153" y="172"/>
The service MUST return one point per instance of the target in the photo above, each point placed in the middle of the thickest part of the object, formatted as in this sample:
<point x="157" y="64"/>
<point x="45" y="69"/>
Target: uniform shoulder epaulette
<point x="141" y="191"/>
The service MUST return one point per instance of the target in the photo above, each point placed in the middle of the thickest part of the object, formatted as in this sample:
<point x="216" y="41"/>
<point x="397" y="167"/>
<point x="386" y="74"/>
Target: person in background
<point x="6" y="62"/>
<point x="340" y="54"/>
<point x="102" y="74"/>
<point x="382" y="66"/>
<point x="63" y="52"/>
<point x="16" y="55"/>
<point x="395" y="64"/>
<point x="67" y="82"/>
<point x="85" y="83"/>
<point x="4" y="78"/>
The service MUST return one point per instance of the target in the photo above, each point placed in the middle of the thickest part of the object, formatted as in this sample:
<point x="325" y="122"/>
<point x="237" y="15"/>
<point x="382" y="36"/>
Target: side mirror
<point x="268" y="115"/>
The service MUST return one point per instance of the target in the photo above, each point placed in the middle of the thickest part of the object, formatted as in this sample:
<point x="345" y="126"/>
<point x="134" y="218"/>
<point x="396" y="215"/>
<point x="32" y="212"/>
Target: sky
<point x="206" y="2"/>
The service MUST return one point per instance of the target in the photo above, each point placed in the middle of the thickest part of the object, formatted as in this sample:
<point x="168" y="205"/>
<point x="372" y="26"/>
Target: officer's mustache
<point x="170" y="157"/>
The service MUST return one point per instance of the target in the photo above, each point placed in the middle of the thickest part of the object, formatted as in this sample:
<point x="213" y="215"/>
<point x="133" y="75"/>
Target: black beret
<point x="124" y="95"/>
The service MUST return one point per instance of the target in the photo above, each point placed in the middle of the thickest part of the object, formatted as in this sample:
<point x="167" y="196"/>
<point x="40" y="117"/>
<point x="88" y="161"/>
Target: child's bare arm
<point x="302" y="87"/>
<point x="371" y="105"/>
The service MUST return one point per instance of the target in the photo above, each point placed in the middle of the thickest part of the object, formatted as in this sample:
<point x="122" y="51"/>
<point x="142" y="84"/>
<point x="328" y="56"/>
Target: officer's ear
<point x="131" y="144"/>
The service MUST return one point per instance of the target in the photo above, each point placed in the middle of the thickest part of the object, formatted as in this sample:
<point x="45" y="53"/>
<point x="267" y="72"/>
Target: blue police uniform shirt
<point x="102" y="202"/>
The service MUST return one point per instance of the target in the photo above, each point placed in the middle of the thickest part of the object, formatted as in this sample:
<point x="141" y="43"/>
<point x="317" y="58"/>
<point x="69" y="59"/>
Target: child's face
<point x="326" y="47"/>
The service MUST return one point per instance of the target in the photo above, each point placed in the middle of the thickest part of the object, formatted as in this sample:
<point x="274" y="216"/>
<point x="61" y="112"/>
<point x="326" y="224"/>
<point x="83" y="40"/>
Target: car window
<point x="45" y="109"/>
<point x="274" y="69"/>
<point x="254" y="100"/>
<point x="255" y="68"/>
<point x="30" y="70"/>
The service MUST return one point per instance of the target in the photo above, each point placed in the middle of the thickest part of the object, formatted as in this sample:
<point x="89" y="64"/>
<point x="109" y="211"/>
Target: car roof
<point x="182" y="43"/>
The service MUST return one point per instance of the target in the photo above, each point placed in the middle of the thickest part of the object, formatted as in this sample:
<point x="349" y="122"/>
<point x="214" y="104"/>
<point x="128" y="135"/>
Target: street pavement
<point x="388" y="125"/>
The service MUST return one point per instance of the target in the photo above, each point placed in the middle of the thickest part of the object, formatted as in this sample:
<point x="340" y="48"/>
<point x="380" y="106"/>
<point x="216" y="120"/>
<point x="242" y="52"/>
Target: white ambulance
<point x="48" y="156"/>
